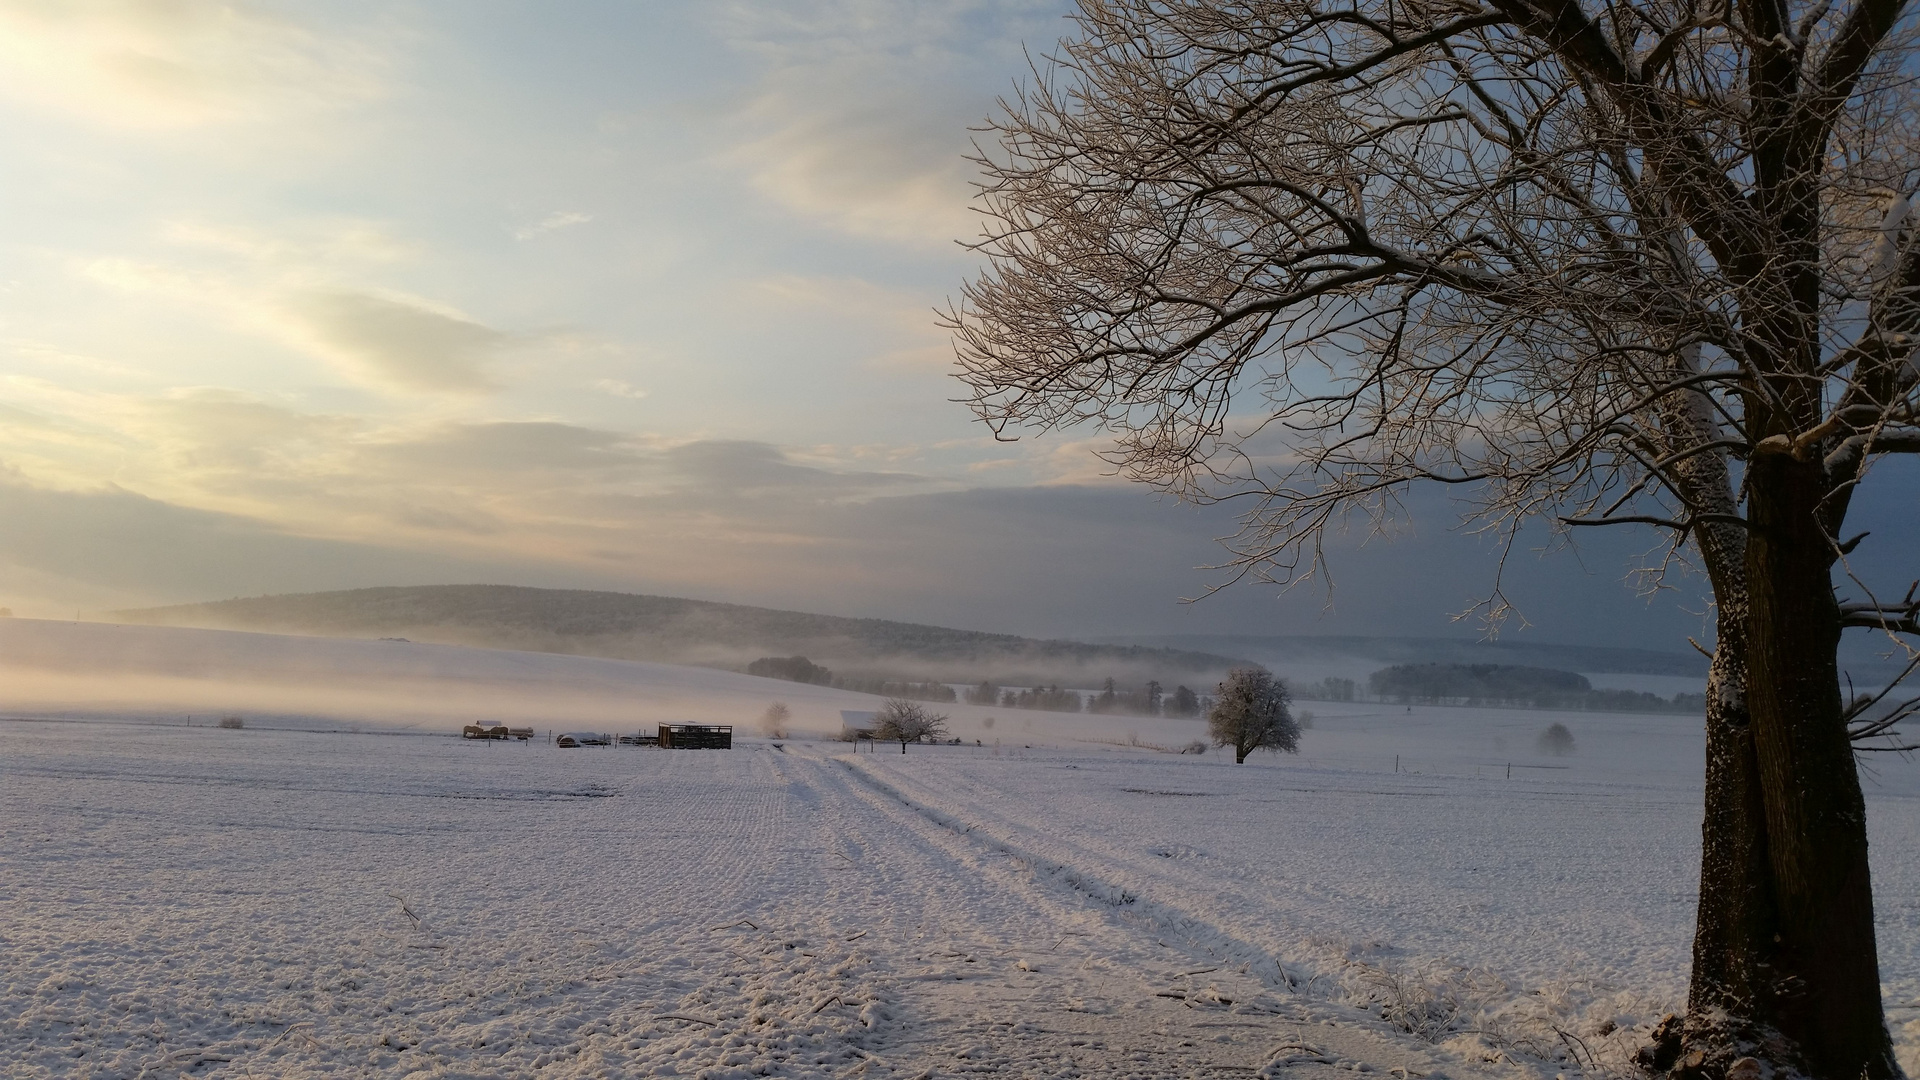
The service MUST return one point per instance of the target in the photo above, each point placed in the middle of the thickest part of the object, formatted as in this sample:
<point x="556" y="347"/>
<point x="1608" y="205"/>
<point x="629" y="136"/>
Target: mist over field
<point x="1149" y="539"/>
<point x="673" y="630"/>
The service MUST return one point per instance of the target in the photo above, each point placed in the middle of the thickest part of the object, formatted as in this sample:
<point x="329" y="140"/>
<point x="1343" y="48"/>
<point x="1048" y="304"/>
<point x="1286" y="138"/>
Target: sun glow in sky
<point x="502" y="282"/>
<point x="300" y="295"/>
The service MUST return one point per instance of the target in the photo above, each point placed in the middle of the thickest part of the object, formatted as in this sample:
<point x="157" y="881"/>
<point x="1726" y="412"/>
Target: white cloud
<point x="538" y="488"/>
<point x="861" y="121"/>
<point x="619" y="388"/>
<point x="559" y="219"/>
<point x="181" y="63"/>
<point x="902" y="326"/>
<point x="291" y="286"/>
<point x="1075" y="462"/>
<point x="823" y="148"/>
<point x="401" y="343"/>
<point x="295" y="244"/>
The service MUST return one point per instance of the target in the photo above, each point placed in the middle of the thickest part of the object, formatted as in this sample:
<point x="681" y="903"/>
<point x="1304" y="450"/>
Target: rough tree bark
<point x="1734" y="929"/>
<point x="1826" y="987"/>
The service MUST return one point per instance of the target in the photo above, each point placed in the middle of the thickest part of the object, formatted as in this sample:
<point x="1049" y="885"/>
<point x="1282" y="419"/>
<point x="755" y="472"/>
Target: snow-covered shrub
<point x="1556" y="740"/>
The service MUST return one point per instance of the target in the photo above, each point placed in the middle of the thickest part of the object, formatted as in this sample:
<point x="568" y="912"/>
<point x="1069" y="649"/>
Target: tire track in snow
<point x="1104" y="990"/>
<point x="1141" y="890"/>
<point x="1127" y="907"/>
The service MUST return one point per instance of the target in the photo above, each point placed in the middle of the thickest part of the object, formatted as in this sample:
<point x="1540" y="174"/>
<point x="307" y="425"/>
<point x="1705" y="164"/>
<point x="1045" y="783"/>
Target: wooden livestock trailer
<point x="696" y="736"/>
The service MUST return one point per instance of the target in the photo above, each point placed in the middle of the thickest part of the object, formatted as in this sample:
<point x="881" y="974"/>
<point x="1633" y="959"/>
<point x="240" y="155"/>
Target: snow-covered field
<point x="1059" y="900"/>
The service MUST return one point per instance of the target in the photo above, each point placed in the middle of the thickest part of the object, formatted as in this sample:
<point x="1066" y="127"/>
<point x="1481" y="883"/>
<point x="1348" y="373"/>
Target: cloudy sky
<point x="302" y="295"/>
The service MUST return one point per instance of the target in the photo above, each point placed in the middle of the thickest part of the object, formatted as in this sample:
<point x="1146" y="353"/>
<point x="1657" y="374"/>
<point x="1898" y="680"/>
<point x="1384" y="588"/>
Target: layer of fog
<point x="60" y="669"/>
<point x="696" y="633"/>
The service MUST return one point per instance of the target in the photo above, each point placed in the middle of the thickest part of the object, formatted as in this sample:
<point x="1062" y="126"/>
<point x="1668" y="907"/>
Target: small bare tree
<point x="774" y="721"/>
<point x="1250" y="713"/>
<point x="1555" y="740"/>
<point x="1645" y="263"/>
<point x="903" y="721"/>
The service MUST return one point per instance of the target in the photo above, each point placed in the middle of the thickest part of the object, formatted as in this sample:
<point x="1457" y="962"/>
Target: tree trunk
<point x="1240" y="754"/>
<point x="1734" y="929"/>
<point x="1823" y="989"/>
<point x="1760" y="981"/>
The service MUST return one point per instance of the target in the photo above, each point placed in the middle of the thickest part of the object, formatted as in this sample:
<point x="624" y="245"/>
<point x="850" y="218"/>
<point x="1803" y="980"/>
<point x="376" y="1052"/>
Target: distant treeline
<point x="792" y="669"/>
<point x="1504" y="685"/>
<point x="801" y="670"/>
<point x="1493" y="685"/>
<point x="914" y="691"/>
<point x="1328" y="689"/>
<point x="1046" y="698"/>
<point x="1149" y="700"/>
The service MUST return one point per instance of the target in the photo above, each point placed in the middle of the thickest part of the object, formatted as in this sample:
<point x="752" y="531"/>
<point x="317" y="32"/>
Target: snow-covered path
<point x="199" y="902"/>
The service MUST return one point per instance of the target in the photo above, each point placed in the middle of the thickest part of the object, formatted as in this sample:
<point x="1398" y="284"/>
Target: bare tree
<point x="1635" y="262"/>
<point x="903" y="721"/>
<point x="774" y="721"/>
<point x="1251" y="714"/>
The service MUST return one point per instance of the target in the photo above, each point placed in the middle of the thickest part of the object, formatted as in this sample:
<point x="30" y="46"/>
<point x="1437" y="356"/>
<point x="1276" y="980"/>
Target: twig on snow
<point x="298" y="1031"/>
<point x="1570" y="1039"/>
<point x="1305" y="1052"/>
<point x="406" y="910"/>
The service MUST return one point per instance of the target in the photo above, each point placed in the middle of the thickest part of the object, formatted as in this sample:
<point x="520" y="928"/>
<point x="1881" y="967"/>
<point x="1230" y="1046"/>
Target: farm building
<point x="856" y="723"/>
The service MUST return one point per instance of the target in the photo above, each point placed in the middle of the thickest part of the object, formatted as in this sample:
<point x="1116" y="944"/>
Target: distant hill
<point x="669" y="629"/>
<point x="1307" y="651"/>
